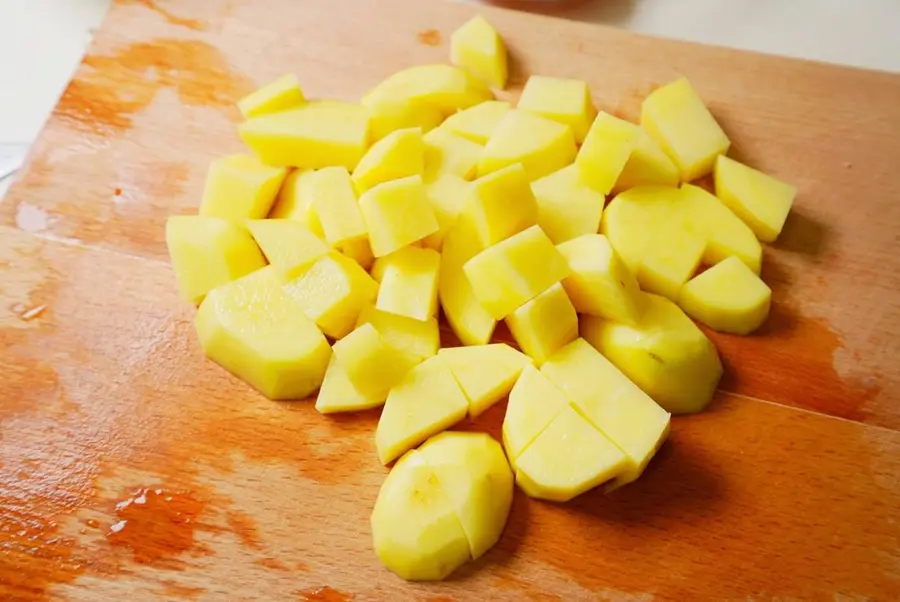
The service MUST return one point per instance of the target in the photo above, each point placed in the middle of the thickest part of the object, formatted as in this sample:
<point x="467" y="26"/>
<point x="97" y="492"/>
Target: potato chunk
<point x="294" y="201"/>
<point x="389" y="115"/>
<point x="287" y="244"/>
<point x="727" y="297"/>
<point x="409" y="284"/>
<point x="647" y="165"/>
<point x="567" y="101"/>
<point x="240" y="187"/>
<point x="416" y="338"/>
<point x="479" y="122"/>
<point x="477" y="47"/>
<point x="447" y="153"/>
<point x="334" y="202"/>
<point x="533" y="404"/>
<point x="567" y="206"/>
<point x="471" y="322"/>
<point x="373" y="365"/>
<point x="670" y="259"/>
<point x="541" y="145"/>
<point x="282" y="94"/>
<point x="444" y="87"/>
<point x="397" y="155"/>
<point x="447" y="195"/>
<point x="339" y="394"/>
<point x="499" y="205"/>
<point x="397" y="213"/>
<point x="605" y="152"/>
<point x="486" y="373"/>
<point x="544" y="324"/>
<point x="631" y="220"/>
<point x="761" y="201"/>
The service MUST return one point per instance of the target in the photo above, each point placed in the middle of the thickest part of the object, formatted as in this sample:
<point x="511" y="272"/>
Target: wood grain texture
<point x="131" y="467"/>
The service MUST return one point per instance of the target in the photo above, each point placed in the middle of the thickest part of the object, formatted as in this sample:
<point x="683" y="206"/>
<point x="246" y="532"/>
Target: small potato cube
<point x="477" y="47"/>
<point x="541" y="145"/>
<point x="567" y="101"/>
<point x="647" y="165"/>
<point x="390" y="115"/>
<point x="409" y="283"/>
<point x="631" y="220"/>
<point x="447" y="153"/>
<point x="599" y="282"/>
<point x="479" y="122"/>
<point x="605" y="152"/>
<point x="447" y="194"/>
<point x="486" y="373"/>
<point x="282" y="94"/>
<point x="397" y="155"/>
<point x="397" y="213"/>
<point x="567" y="206"/>
<point x="509" y="274"/>
<point x="544" y="324"/>
<point x="332" y="293"/>
<point x="685" y="129"/>
<point x="317" y="134"/>
<point x="533" y="404"/>
<point x="294" y="201"/>
<point x="255" y="330"/>
<point x="207" y="252"/>
<point x="359" y="250"/>
<point x="334" y="202"/>
<point x="239" y="187"/>
<point x="761" y="201"/>
<point x="287" y="244"/>
<point x="373" y="365"/>
<point x="727" y="297"/>
<point x="670" y="261"/>
<point x="339" y="394"/>
<point x="500" y="204"/>
<point x="471" y="323"/>
<point x="417" y="338"/>
<point x="445" y="87"/>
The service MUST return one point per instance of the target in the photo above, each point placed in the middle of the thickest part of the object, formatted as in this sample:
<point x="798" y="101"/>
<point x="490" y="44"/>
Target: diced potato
<point x="416" y="530"/>
<point x="631" y="220"/>
<point x="707" y="217"/>
<point x="486" y="373"/>
<point x="533" y="404"/>
<point x="334" y="202"/>
<point x="727" y="297"/>
<point x="567" y="206"/>
<point x="318" y="134"/>
<point x="479" y="122"/>
<point x="568" y="458"/>
<point x="685" y="129"/>
<point x="541" y="145"/>
<point x="665" y="354"/>
<point x="647" y="165"/>
<point x="333" y="292"/>
<point x="287" y="244"/>
<point x="397" y="155"/>
<point x="599" y="283"/>
<point x="397" y="213"/>
<point x="359" y="250"/>
<point x="373" y="365"/>
<point x="544" y="324"/>
<point x="447" y="153"/>
<point x="425" y="402"/>
<point x="605" y="152"/>
<point x="282" y="94"/>
<point x="471" y="323"/>
<point x="500" y="204"/>
<point x="444" y="87"/>
<point x="612" y="403"/>
<point x="417" y="338"/>
<point x="239" y="187"/>
<point x="475" y="474"/>
<point x="390" y="115"/>
<point x="567" y="101"/>
<point x="338" y="393"/>
<point x="761" y="201"/>
<point x="256" y="331"/>
<point x="514" y="271"/>
<point x="294" y="201"/>
<point x="207" y="252"/>
<point x="670" y="259"/>
<point x="447" y="194"/>
<point x="477" y="47"/>
<point x="409" y="284"/>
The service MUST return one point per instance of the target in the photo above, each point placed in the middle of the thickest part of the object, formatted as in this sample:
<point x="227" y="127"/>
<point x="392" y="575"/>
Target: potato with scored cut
<point x="486" y="373"/>
<point x="477" y="47"/>
<point x="397" y="155"/>
<point x="479" y="122"/>
<point x="541" y="145"/>
<point x="727" y="297"/>
<point x="239" y="187"/>
<point x="282" y="94"/>
<point x="444" y="87"/>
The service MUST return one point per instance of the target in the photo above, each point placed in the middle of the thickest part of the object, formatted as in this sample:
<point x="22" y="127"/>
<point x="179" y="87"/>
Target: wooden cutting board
<point x="131" y="468"/>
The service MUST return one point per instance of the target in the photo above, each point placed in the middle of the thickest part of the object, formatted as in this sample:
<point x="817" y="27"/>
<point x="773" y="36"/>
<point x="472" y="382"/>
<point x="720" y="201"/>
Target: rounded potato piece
<point x="727" y="297"/>
<point x="665" y="354"/>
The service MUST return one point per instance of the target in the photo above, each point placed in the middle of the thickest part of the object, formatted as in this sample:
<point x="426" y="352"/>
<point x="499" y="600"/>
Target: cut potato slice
<point x="339" y="394"/>
<point x="567" y="101"/>
<point x="533" y="404"/>
<point x="287" y="244"/>
<point x="479" y="122"/>
<point x="670" y="260"/>
<point x="541" y="145"/>
<point x="318" y="134"/>
<point x="500" y="204"/>
<point x="417" y="338"/>
<point x="207" y="252"/>
<point x="255" y="330"/>
<point x="373" y="365"/>
<point x="389" y="115"/>
<point x="605" y="152"/>
<point x="282" y="94"/>
<point x="761" y="201"/>
<point x="239" y="187"/>
<point x="447" y="195"/>
<point x="631" y="220"/>
<point x="425" y="402"/>
<point x="447" y="153"/>
<point x="295" y="201"/>
<point x="647" y="165"/>
<point x="444" y="87"/>
<point x="567" y="206"/>
<point x="486" y="373"/>
<point x="544" y="324"/>
<point x="397" y="213"/>
<point x="334" y="201"/>
<point x="397" y="155"/>
<point x="727" y="297"/>
<point x="409" y="283"/>
<point x="477" y="47"/>
<point x="471" y="323"/>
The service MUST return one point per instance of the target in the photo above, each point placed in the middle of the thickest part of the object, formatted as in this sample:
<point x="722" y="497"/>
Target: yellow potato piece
<point x="544" y="324"/>
<point x="373" y="365"/>
<point x="334" y="202"/>
<point x="471" y="323"/>
<point x="727" y="297"/>
<point x="599" y="283"/>
<point x="476" y="477"/>
<point x="239" y="187"/>
<point x="255" y="330"/>
<point x="567" y="206"/>
<point x="282" y="94"/>
<point x="568" y="458"/>
<point x="533" y="404"/>
<point x="409" y="285"/>
<point x="397" y="155"/>
<point x="425" y="402"/>
<point x="605" y="152"/>
<point x="339" y="394"/>
<point x="665" y="354"/>
<point x="359" y="250"/>
<point x="317" y="134"/>
<point x="685" y="129"/>
<point x="760" y="200"/>
<point x="447" y="194"/>
<point x="389" y="115"/>
<point x="567" y="101"/>
<point x="419" y="339"/>
<point x="647" y="165"/>
<point x="670" y="259"/>
<point x="541" y="145"/>
<point x="479" y="122"/>
<point x="631" y="220"/>
<point x="287" y="244"/>
<point x="486" y="373"/>
<point x="500" y="204"/>
<point x="294" y="201"/>
<point x="447" y="153"/>
<point x="443" y="87"/>
<point x="477" y="47"/>
<point x="514" y="271"/>
<point x="397" y="213"/>
<point x="416" y="530"/>
<point x="333" y="292"/>
<point x="207" y="252"/>
<point x="610" y="402"/>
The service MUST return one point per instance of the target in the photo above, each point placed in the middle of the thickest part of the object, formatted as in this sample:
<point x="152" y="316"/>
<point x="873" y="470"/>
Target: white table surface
<point x="41" y="41"/>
